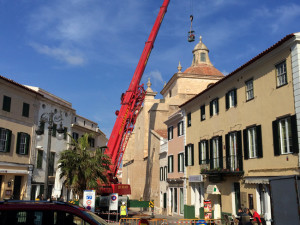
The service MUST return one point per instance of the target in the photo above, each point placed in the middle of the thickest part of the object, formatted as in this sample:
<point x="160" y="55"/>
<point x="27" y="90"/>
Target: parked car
<point x="14" y="212"/>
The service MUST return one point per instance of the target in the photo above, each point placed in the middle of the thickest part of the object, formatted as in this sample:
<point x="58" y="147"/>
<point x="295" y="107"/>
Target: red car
<point x="46" y="213"/>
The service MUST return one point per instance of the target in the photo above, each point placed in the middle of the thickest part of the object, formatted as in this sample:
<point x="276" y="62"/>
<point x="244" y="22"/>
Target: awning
<point x="257" y="180"/>
<point x="213" y="189"/>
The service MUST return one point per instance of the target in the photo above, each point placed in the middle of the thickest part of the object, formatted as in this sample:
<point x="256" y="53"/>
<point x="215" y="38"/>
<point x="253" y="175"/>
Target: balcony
<point x="231" y="165"/>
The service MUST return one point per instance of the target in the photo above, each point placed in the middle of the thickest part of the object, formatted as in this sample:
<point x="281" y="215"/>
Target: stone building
<point x="141" y="168"/>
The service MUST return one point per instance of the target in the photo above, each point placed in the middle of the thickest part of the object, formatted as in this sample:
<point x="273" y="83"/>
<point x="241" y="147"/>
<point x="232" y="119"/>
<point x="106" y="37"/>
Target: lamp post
<point x="49" y="118"/>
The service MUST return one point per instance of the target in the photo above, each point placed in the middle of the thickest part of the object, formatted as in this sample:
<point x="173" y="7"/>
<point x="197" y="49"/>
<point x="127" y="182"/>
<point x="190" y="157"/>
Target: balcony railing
<point x="231" y="164"/>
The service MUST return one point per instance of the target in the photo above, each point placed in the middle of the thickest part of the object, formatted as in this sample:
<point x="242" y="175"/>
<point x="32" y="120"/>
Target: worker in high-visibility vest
<point x="123" y="210"/>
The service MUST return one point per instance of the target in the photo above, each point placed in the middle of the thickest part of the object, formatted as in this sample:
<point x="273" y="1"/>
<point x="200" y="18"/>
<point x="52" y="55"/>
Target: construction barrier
<point x="135" y="221"/>
<point x="156" y="221"/>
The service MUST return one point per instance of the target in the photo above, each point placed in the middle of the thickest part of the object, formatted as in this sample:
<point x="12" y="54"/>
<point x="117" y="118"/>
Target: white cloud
<point x="64" y="55"/>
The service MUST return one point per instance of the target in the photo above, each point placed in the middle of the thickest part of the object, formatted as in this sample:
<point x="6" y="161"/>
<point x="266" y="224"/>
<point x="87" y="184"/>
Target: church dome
<point x="201" y="64"/>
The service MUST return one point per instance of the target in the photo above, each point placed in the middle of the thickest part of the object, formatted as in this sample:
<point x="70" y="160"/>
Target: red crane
<point x="131" y="102"/>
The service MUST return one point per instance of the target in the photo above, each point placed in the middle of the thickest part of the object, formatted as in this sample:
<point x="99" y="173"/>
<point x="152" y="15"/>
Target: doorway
<point x="17" y="188"/>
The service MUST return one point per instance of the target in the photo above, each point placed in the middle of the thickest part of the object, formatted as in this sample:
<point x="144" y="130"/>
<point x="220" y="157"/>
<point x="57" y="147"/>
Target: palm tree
<point x="82" y="167"/>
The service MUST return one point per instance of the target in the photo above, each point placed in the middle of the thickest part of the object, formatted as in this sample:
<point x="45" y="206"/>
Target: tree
<point x="81" y="167"/>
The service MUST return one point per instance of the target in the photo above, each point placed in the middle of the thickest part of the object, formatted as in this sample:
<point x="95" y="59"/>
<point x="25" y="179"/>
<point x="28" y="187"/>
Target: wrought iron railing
<point x="227" y="164"/>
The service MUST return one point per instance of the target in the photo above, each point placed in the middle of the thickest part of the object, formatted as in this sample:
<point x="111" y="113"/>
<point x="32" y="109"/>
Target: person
<point x="248" y="212"/>
<point x="240" y="214"/>
<point x="256" y="217"/>
<point x="123" y="210"/>
<point x="38" y="198"/>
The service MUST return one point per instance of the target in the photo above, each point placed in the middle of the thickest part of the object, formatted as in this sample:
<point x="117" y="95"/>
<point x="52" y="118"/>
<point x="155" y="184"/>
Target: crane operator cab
<point x="191" y="33"/>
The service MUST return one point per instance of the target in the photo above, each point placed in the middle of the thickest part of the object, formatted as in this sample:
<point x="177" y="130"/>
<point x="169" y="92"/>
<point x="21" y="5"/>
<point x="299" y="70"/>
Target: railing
<point x="228" y="165"/>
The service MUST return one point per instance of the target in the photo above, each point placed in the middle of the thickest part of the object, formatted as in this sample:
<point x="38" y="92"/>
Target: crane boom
<point x="131" y="102"/>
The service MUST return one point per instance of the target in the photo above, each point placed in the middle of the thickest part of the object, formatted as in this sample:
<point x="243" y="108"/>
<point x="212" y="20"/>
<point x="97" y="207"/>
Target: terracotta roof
<point x="162" y="133"/>
<point x="203" y="69"/>
<point x="276" y="45"/>
<point x="20" y="85"/>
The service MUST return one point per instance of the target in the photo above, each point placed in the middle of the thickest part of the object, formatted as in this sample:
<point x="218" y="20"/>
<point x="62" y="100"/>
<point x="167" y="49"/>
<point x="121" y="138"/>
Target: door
<point x="17" y="187"/>
<point x="237" y="196"/>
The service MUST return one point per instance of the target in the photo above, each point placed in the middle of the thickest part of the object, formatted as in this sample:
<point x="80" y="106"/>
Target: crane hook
<point x="191" y="35"/>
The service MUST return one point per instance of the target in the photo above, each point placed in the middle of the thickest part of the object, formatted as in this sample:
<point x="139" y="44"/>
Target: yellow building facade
<point x="242" y="131"/>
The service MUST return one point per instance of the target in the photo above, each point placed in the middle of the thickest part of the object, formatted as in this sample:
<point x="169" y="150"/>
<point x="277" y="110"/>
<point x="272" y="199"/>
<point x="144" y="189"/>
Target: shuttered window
<point x="231" y="99"/>
<point x="252" y="142"/>
<point x="23" y="143"/>
<point x="216" y="153"/>
<point x="170" y="133"/>
<point x="5" y="139"/>
<point x="180" y="162"/>
<point x="170" y="164"/>
<point x="189" y="119"/>
<point x="202" y="111"/>
<point x="214" y="107"/>
<point x="203" y="152"/>
<point x="6" y="103"/>
<point x="285" y="137"/>
<point x="180" y="128"/>
<point x="25" y="111"/>
<point x="189" y="155"/>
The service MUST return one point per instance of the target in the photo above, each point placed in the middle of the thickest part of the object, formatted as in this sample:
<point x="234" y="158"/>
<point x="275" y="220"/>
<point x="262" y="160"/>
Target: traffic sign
<point x="151" y="204"/>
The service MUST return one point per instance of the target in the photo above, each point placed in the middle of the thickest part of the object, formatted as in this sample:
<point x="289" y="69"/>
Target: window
<point x="170" y="93"/>
<point x="281" y="74"/>
<point x="75" y="136"/>
<point x="180" y="162"/>
<point x="285" y="136"/>
<point x="39" y="163"/>
<point x="6" y="103"/>
<point x="180" y="128"/>
<point x="23" y="141"/>
<point x="214" y="107"/>
<point x="203" y="152"/>
<point x="161" y="174"/>
<point x="249" y="90"/>
<point x="189" y="119"/>
<point x="25" y="111"/>
<point x="231" y="100"/>
<point x="51" y="164"/>
<point x="170" y="164"/>
<point x="252" y="142"/>
<point x="216" y="153"/>
<point x="5" y="139"/>
<point x="54" y="130"/>
<point x="170" y="133"/>
<point x="91" y="142"/>
<point x="65" y="133"/>
<point x="203" y="57"/>
<point x="165" y="172"/>
<point x="189" y="155"/>
<point x="202" y="110"/>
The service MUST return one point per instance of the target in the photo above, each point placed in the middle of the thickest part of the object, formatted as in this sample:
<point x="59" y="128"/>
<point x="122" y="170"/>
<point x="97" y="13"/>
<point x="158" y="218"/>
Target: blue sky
<point x="86" y="51"/>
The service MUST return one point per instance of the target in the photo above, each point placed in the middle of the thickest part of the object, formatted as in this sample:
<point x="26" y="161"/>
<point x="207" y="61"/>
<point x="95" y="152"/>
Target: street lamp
<point x="49" y="118"/>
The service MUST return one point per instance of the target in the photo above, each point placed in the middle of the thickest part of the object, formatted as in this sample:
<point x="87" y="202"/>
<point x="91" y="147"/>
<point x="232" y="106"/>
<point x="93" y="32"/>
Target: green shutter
<point x="235" y="97"/>
<point x="200" y="155"/>
<point x="245" y="136"/>
<point x="217" y="106"/>
<point x="227" y="100"/>
<point x="211" y="154"/>
<point x="18" y="142"/>
<point x="8" y="140"/>
<point x="172" y="159"/>
<point x="25" y="111"/>
<point x="39" y="163"/>
<point x="220" y="152"/>
<point x="186" y="156"/>
<point x="207" y="152"/>
<point x="192" y="146"/>
<point x="275" y="138"/>
<point x="27" y="144"/>
<point x="211" y="108"/>
<point x="239" y="150"/>
<point x="259" y="142"/>
<point x="227" y="151"/>
<point x="65" y="133"/>
<point x="6" y="103"/>
<point x="295" y="148"/>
